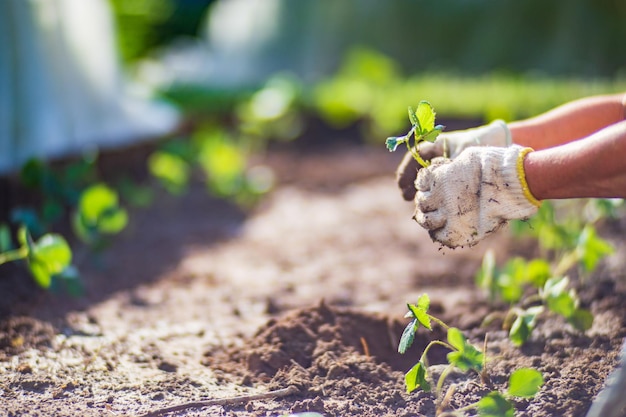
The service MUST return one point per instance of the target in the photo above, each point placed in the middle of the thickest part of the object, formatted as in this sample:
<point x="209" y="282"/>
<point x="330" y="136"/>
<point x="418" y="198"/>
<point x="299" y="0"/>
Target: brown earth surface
<point x="198" y="300"/>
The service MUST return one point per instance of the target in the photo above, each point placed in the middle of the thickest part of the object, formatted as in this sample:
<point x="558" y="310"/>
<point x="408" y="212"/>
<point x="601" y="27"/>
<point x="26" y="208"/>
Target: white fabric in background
<point x="62" y="89"/>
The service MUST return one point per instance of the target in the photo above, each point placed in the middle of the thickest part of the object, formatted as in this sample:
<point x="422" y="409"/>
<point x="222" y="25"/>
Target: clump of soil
<point x="343" y="361"/>
<point x="22" y="332"/>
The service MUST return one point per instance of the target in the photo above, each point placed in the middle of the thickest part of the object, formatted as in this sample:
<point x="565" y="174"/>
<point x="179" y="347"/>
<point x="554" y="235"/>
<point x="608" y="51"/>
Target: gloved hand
<point x="461" y="201"/>
<point x="451" y="145"/>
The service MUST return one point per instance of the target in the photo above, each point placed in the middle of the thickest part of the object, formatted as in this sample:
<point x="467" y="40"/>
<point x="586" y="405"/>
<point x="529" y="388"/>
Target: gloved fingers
<point x="405" y="176"/>
<point x="426" y="177"/>
<point x="408" y="169"/>
<point x="426" y="201"/>
<point x="431" y="220"/>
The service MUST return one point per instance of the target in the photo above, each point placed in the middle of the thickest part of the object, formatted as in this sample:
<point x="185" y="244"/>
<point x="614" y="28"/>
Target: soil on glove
<point x="199" y="300"/>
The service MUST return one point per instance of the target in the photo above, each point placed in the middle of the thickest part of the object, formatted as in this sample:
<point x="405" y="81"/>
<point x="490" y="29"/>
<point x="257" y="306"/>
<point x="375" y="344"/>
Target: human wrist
<point x="522" y="176"/>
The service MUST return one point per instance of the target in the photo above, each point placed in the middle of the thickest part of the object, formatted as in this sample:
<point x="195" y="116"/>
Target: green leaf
<point x="525" y="383"/>
<point x="5" y="238"/>
<point x="171" y="170"/>
<point x="456" y="338"/>
<point x="423" y="302"/>
<point x="581" y="319"/>
<point x="523" y="325"/>
<point x="420" y="313"/>
<point x="433" y="134"/>
<point x="563" y="304"/>
<point x="23" y="238"/>
<point x="520" y="331"/>
<point x="538" y="272"/>
<point x="467" y="356"/>
<point x="48" y="256"/>
<point x="99" y="212"/>
<point x="95" y="200"/>
<point x="495" y="405"/>
<point x="485" y="278"/>
<point x="113" y="221"/>
<point x="416" y="378"/>
<point x="408" y="335"/>
<point x="223" y="162"/>
<point x="52" y="250"/>
<point x="393" y="142"/>
<point x="40" y="273"/>
<point x="557" y="299"/>
<point x="591" y="249"/>
<point x="413" y="118"/>
<point x="426" y="116"/>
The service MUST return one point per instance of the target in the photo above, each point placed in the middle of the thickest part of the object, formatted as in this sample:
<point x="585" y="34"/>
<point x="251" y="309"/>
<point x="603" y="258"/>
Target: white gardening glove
<point x="450" y="144"/>
<point x="461" y="201"/>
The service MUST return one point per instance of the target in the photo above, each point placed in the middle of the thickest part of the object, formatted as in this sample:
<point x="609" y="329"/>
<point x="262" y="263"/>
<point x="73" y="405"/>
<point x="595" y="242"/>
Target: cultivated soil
<point x="205" y="306"/>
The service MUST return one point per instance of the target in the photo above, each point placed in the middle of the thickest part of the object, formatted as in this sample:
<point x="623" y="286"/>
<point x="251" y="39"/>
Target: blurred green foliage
<point x="369" y="89"/>
<point x="143" y="25"/>
<point x="97" y="214"/>
<point x="46" y="258"/>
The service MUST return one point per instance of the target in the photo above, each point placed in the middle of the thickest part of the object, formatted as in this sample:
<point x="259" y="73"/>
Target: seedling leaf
<point x="467" y="356"/>
<point x="495" y="405"/>
<point x="171" y="170"/>
<point x="591" y="248"/>
<point x="5" y="238"/>
<point x="416" y="378"/>
<point x="420" y="311"/>
<point x="525" y="383"/>
<point x="456" y="338"/>
<point x="538" y="272"/>
<point x="413" y="118"/>
<point x="581" y="319"/>
<point x="557" y="299"/>
<point x="408" y="335"/>
<point x="49" y="256"/>
<point x="393" y="142"/>
<point x="426" y="117"/>
<point x="433" y="134"/>
<point x="423" y="302"/>
<point x="524" y="324"/>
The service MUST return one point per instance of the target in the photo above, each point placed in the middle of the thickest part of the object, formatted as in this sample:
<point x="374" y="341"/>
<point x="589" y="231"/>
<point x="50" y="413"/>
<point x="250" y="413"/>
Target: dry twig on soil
<point x="223" y="401"/>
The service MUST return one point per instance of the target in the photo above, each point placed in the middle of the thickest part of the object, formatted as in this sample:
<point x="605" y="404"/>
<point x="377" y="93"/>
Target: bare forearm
<point x="591" y="167"/>
<point x="569" y="122"/>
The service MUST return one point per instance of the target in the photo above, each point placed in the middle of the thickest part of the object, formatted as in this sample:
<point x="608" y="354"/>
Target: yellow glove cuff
<point x="521" y="175"/>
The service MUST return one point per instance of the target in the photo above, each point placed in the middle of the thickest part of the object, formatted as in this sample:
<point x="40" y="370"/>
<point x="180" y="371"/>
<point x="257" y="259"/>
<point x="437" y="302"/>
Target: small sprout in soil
<point x="98" y="213"/>
<point x="50" y="255"/>
<point x="524" y="383"/>
<point x="423" y="130"/>
<point x="552" y="293"/>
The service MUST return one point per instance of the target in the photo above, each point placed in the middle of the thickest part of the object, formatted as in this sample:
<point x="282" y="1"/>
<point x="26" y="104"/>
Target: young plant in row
<point x="46" y="258"/>
<point x="423" y="130"/>
<point x="466" y="357"/>
<point x="552" y="294"/>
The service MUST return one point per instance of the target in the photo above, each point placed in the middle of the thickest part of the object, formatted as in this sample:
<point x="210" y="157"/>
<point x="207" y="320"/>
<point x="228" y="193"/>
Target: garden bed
<point x="198" y="300"/>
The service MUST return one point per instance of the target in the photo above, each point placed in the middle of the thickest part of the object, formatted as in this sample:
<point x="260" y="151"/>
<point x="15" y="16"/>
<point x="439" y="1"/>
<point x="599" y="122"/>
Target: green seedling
<point x="552" y="295"/>
<point x="466" y="357"/>
<point x="463" y="355"/>
<point x="50" y="255"/>
<point x="523" y="383"/>
<point x="423" y="130"/>
<point x="98" y="214"/>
